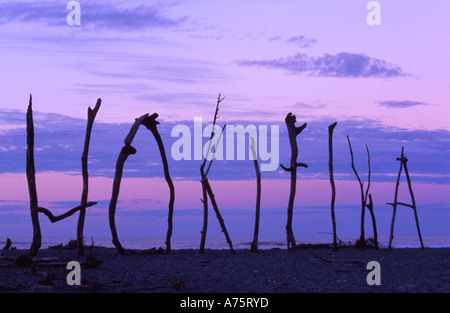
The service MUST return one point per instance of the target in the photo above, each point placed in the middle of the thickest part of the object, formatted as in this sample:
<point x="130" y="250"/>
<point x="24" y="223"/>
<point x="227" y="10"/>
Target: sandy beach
<point x="220" y="271"/>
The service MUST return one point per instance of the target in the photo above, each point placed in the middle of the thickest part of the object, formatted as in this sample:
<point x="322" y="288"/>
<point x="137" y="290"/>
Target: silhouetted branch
<point x="403" y="164"/>
<point x="151" y="124"/>
<point x="333" y="186"/>
<point x="123" y="155"/>
<point x="206" y="187"/>
<point x="293" y="132"/>
<point x="408" y="179"/>
<point x="403" y="204"/>
<point x="363" y="202"/>
<point x="374" y="223"/>
<point x="254" y="245"/>
<point x="215" y="150"/>
<point x="92" y="113"/>
<point x="31" y="179"/>
<point x="218" y="215"/>
<point x="54" y="219"/>
<point x="394" y="205"/>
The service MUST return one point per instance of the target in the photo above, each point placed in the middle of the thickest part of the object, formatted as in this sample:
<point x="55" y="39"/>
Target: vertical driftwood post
<point x="403" y="163"/>
<point x="293" y="132"/>
<point x="362" y="238"/>
<point x="333" y="186"/>
<point x="84" y="165"/>
<point x="254" y="245"/>
<point x="151" y="125"/>
<point x="205" y="212"/>
<point x="374" y="223"/>
<point x="31" y="178"/>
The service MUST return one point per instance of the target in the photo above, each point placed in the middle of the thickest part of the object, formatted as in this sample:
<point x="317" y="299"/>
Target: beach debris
<point x="8" y="244"/>
<point x="403" y="165"/>
<point x="293" y="132"/>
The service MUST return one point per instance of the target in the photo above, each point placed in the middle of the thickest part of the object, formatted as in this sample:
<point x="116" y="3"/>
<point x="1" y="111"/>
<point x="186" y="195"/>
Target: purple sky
<point x="386" y="85"/>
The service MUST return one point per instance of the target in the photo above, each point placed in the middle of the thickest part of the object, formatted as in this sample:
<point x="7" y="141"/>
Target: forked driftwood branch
<point x="206" y="187"/>
<point x="293" y="132"/>
<point x="365" y="197"/>
<point x="91" y="114"/>
<point x="31" y="180"/>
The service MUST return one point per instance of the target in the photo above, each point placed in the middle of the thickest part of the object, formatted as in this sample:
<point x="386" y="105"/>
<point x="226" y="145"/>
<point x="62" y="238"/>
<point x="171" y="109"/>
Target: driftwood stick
<point x="254" y="245"/>
<point x="134" y="128"/>
<point x="205" y="212"/>
<point x="92" y="113"/>
<point x="374" y="223"/>
<point x="124" y="153"/>
<point x="333" y="185"/>
<point x="408" y="179"/>
<point x="151" y="124"/>
<point x="394" y="205"/>
<point x="31" y="179"/>
<point x="403" y="204"/>
<point x="362" y="238"/>
<point x="54" y="219"/>
<point x="370" y="204"/>
<point x="205" y="184"/>
<point x="215" y="150"/>
<point x="293" y="132"/>
<point x="219" y="216"/>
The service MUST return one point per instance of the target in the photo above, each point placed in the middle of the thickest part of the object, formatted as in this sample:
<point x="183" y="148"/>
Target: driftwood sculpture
<point x="365" y="196"/>
<point x="207" y="190"/>
<point x="31" y="179"/>
<point x="333" y="185"/>
<point x="403" y="164"/>
<point x="293" y="132"/>
<point x="91" y="114"/>
<point x="149" y="121"/>
<point x="254" y="245"/>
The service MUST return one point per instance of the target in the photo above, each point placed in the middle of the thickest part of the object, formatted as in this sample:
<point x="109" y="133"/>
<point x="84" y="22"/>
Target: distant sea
<point x="213" y="243"/>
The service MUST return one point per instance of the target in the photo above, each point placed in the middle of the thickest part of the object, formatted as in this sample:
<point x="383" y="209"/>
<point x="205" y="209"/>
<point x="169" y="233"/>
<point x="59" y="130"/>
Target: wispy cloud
<point x="301" y="41"/>
<point x="400" y="104"/>
<point x="98" y="15"/>
<point x="343" y="64"/>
